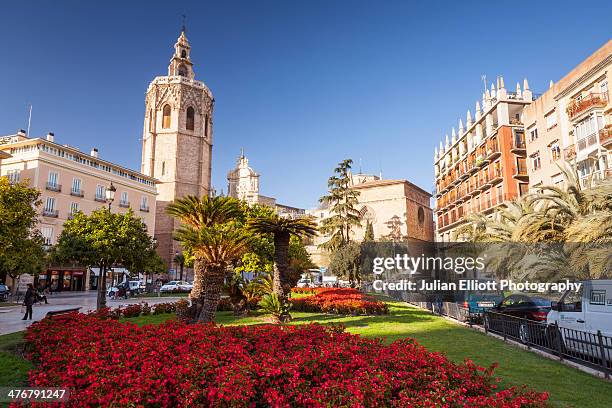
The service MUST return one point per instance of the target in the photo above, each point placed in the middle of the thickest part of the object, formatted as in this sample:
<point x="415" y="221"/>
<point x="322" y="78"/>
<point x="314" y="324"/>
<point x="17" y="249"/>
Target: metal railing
<point x="591" y="349"/>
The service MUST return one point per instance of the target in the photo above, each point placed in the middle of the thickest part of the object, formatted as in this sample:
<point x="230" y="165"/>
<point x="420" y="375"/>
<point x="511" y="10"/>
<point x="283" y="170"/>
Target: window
<point x="183" y="53"/>
<point x="421" y="215"/>
<point x="150" y="120"/>
<point x="100" y="192"/>
<point x="585" y="128"/>
<point x="144" y="203"/>
<point x="533" y="134"/>
<point x="182" y="71"/>
<point x="76" y="186"/>
<point x="163" y="168"/>
<point x="124" y="198"/>
<point x="603" y="86"/>
<point x="555" y="151"/>
<point x="50" y="204"/>
<point x="74" y="207"/>
<point x="190" y="118"/>
<point x="13" y="176"/>
<point x="551" y="120"/>
<point x="52" y="181"/>
<point x="572" y="301"/>
<point x="205" y="125"/>
<point x="167" y="111"/>
<point x="535" y="161"/>
<point x="47" y="233"/>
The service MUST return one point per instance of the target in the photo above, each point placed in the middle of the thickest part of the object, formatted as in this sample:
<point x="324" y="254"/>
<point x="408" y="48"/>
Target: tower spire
<point x="184" y="27"/>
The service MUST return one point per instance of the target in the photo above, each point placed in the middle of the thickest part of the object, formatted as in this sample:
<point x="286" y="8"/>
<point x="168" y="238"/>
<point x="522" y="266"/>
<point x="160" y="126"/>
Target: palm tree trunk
<point x="197" y="292"/>
<point x="211" y="293"/>
<point x="281" y="263"/>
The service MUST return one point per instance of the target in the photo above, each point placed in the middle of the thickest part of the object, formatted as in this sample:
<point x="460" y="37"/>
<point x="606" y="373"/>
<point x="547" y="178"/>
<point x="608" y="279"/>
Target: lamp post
<point x="180" y="258"/>
<point x="110" y="195"/>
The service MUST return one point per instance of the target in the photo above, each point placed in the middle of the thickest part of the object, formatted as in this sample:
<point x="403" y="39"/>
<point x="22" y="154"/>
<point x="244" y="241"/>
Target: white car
<point x="176" y="286"/>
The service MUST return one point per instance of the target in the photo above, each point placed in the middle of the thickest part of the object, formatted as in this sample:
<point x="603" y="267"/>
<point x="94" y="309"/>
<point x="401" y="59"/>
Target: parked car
<point x="176" y="286"/>
<point x="580" y="315"/>
<point x="478" y="302"/>
<point x="531" y="311"/>
<point x="304" y="283"/>
<point x="4" y="293"/>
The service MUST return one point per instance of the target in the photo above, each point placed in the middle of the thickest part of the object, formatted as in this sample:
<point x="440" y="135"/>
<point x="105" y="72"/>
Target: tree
<point x="299" y="261"/>
<point x="215" y="247"/>
<point x="369" y="232"/>
<point x="341" y="200"/>
<point x="345" y="262"/>
<point x="577" y="218"/>
<point x="282" y="229"/>
<point x="21" y="244"/>
<point x="104" y="239"/>
<point x="208" y="231"/>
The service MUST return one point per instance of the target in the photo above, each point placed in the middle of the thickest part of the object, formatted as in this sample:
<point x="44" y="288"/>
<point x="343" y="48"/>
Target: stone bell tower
<point x="177" y="141"/>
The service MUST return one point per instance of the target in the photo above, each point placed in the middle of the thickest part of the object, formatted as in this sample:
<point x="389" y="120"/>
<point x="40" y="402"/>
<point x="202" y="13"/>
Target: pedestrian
<point x="40" y="296"/>
<point x="28" y="301"/>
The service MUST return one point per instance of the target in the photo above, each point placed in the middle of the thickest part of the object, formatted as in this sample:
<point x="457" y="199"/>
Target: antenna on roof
<point x="29" y="119"/>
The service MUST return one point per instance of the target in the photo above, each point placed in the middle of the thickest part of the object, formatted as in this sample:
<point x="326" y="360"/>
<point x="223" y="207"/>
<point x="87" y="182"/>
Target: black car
<point x="4" y="292"/>
<point x="521" y="315"/>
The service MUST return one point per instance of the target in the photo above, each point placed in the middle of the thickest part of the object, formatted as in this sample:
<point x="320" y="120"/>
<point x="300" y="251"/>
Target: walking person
<point x="28" y="301"/>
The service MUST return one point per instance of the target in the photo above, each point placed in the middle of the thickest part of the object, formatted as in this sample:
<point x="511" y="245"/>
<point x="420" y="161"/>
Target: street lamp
<point x="180" y="258"/>
<point x="110" y="195"/>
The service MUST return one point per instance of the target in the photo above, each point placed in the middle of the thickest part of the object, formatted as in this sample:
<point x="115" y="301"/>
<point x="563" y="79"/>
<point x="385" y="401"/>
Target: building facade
<point x="243" y="184"/>
<point x="572" y="121"/>
<point x="177" y="141"/>
<point x="70" y="181"/>
<point x="397" y="209"/>
<point x="484" y="163"/>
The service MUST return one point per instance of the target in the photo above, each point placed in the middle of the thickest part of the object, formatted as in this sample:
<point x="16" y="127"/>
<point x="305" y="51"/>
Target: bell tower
<point x="177" y="141"/>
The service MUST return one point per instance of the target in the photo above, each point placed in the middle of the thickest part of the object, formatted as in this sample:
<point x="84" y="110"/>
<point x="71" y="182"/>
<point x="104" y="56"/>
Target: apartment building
<point x="483" y="164"/>
<point x="70" y="181"/>
<point x="572" y="121"/>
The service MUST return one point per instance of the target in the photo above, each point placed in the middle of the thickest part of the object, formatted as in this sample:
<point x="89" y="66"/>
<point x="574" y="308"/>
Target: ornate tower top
<point x="181" y="64"/>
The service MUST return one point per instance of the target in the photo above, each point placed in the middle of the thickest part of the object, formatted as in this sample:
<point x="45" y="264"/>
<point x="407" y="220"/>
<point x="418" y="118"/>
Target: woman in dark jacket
<point x="28" y="301"/>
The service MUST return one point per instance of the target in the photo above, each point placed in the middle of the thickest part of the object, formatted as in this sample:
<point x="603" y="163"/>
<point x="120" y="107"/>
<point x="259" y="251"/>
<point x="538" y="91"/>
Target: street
<point x="10" y="316"/>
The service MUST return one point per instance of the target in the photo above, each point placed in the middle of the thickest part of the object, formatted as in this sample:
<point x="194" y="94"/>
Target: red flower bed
<point x="108" y="363"/>
<point x="339" y="301"/>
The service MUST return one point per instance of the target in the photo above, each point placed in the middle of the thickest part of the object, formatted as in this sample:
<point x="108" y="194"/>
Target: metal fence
<point x="590" y="349"/>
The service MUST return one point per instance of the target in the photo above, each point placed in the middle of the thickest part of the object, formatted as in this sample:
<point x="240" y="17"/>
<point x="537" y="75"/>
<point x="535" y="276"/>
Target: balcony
<point x="493" y="152"/>
<point x="100" y="199"/>
<point x="496" y="176"/>
<point x="77" y="193"/>
<point x="124" y="204"/>
<point x="518" y="146"/>
<point x="605" y="136"/>
<point x="592" y="100"/>
<point x="520" y="172"/>
<point x="569" y="152"/>
<point x="144" y="208"/>
<point x="50" y="213"/>
<point x="53" y="187"/>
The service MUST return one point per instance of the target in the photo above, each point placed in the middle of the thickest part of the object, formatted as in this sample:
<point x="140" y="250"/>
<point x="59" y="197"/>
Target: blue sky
<point x="299" y="85"/>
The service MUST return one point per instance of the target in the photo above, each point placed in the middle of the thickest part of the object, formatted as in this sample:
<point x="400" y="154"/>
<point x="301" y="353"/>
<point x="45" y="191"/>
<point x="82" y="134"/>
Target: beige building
<point x="243" y="184"/>
<point x="572" y="121"/>
<point x="483" y="164"/>
<point x="397" y="209"/>
<point x="177" y="141"/>
<point x="71" y="181"/>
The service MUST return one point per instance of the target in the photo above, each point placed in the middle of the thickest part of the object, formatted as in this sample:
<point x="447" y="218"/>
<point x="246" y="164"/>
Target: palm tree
<point x="195" y="215"/>
<point x="216" y="247"/>
<point x="282" y="228"/>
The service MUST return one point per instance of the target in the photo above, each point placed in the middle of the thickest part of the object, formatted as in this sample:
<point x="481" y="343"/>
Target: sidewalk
<point x="10" y="316"/>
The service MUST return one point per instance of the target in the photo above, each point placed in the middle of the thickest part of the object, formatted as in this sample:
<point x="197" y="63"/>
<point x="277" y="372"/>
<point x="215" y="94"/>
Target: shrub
<point x="275" y="306"/>
<point x="131" y="311"/>
<point x="108" y="363"/>
<point x="339" y="301"/>
<point x="160" y="308"/>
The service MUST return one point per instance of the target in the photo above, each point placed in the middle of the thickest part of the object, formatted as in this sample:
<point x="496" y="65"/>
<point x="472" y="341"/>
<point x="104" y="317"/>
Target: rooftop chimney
<point x="94" y="152"/>
<point x="51" y="137"/>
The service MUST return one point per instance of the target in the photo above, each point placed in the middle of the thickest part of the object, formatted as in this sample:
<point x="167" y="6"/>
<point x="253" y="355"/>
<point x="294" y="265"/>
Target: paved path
<point x="10" y="316"/>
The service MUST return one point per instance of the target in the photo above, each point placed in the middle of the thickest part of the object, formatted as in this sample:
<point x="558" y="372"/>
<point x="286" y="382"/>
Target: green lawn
<point x="567" y="386"/>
